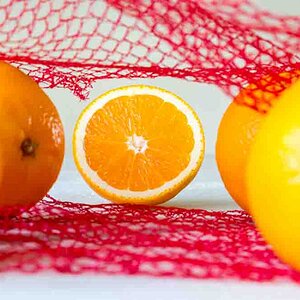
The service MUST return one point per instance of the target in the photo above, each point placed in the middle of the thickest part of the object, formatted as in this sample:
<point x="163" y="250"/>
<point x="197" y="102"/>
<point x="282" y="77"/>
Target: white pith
<point x="137" y="143"/>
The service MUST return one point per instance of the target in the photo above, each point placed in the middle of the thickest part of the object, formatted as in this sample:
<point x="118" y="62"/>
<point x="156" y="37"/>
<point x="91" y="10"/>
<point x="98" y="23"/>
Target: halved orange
<point x="138" y="144"/>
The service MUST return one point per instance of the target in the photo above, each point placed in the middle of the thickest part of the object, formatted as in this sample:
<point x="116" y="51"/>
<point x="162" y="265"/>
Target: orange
<point x="273" y="177"/>
<point x="138" y="144"/>
<point x="237" y="132"/>
<point x="31" y="139"/>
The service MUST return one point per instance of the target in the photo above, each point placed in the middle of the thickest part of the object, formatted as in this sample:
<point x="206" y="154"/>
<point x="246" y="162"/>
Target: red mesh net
<point x="72" y="43"/>
<point x="120" y="239"/>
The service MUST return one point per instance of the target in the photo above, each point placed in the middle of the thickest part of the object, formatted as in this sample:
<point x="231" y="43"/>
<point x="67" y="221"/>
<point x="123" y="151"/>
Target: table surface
<point x="205" y="192"/>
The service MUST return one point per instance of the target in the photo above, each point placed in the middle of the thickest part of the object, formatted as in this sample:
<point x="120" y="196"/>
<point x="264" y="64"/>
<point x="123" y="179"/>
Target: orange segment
<point x="138" y="139"/>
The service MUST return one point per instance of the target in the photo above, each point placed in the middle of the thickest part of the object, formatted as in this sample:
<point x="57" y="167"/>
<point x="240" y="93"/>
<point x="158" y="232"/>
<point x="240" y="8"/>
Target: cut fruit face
<point x="138" y="144"/>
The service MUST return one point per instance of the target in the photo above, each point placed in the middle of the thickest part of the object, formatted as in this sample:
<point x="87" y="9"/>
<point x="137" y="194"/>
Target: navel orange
<point x="138" y="144"/>
<point x="31" y="139"/>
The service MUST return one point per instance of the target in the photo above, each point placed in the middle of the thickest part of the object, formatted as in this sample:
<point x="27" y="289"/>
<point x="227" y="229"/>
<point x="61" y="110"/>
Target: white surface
<point x="64" y="287"/>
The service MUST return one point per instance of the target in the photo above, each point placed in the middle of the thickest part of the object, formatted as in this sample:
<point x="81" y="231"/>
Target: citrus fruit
<point x="237" y="130"/>
<point x="31" y="139"/>
<point x="138" y="144"/>
<point x="273" y="177"/>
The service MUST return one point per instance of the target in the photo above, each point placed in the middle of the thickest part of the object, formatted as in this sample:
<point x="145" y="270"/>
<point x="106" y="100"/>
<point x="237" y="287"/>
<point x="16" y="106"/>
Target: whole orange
<point x="237" y="132"/>
<point x="31" y="139"/>
<point x="273" y="177"/>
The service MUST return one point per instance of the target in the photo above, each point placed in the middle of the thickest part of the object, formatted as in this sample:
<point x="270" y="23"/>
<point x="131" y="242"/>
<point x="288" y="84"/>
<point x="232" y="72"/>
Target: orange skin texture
<point x="236" y="133"/>
<point x="26" y="112"/>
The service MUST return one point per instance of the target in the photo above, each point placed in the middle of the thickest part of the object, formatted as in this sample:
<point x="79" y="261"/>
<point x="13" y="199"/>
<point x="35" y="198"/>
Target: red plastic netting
<point x="72" y="43"/>
<point x="120" y="239"/>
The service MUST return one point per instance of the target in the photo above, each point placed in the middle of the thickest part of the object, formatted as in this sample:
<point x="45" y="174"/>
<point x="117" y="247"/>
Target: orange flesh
<point x="150" y="140"/>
